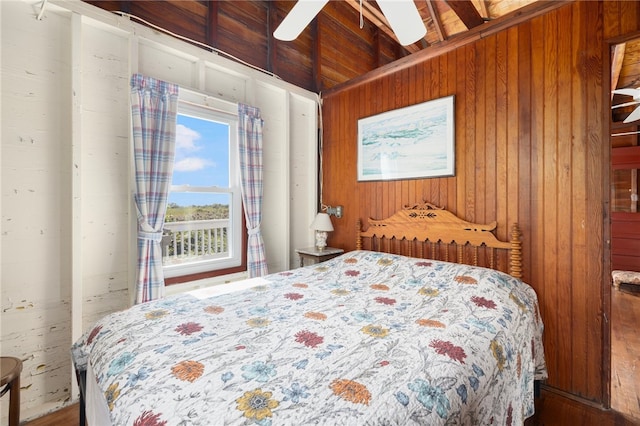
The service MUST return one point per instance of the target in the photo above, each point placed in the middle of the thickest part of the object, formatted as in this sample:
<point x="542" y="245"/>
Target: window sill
<point x="206" y="282"/>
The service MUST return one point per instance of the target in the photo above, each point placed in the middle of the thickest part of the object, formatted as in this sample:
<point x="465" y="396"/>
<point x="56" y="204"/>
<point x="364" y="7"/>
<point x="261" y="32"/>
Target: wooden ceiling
<point x="334" y="48"/>
<point x="625" y="74"/>
<point x="443" y="18"/>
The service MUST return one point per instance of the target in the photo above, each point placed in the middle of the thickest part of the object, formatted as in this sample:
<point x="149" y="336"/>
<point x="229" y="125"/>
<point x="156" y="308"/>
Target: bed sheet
<point x="365" y="338"/>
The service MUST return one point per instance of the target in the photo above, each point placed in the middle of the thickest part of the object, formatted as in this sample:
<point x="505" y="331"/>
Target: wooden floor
<point x="625" y="353"/>
<point x="552" y="408"/>
<point x="68" y="416"/>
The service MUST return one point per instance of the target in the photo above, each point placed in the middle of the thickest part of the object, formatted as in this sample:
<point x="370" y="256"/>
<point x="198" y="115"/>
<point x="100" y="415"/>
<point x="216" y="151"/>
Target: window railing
<point x="195" y="240"/>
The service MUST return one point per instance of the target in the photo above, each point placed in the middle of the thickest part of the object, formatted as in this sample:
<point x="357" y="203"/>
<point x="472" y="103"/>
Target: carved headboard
<point x="426" y="226"/>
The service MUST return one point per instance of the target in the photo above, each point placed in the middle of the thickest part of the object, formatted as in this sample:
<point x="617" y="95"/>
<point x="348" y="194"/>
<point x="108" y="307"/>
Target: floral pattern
<point x="188" y="370"/>
<point x="351" y="391"/>
<point x="443" y="344"/>
<point x="257" y="404"/>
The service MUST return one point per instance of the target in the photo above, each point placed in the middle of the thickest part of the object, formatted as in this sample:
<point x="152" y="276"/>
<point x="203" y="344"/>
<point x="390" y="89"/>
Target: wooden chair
<point x="10" y="369"/>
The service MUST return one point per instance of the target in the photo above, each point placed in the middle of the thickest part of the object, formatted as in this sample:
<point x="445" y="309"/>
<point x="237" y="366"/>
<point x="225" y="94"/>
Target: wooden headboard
<point x="428" y="231"/>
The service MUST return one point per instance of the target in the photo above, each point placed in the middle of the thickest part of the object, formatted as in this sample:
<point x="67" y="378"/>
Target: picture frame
<point x="413" y="142"/>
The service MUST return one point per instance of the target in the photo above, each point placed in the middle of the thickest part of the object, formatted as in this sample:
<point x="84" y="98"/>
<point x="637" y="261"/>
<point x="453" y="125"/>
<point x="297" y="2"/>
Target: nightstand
<point x="313" y="255"/>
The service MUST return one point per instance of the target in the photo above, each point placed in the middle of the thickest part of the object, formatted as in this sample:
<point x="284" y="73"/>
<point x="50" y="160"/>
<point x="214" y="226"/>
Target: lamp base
<point x="321" y="240"/>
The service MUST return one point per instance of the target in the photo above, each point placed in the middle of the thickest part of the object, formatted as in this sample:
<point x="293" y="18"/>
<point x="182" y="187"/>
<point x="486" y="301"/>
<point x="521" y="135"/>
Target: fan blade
<point x="635" y="115"/>
<point x="404" y="19"/>
<point x="625" y="104"/>
<point x="298" y="18"/>
<point x="628" y="92"/>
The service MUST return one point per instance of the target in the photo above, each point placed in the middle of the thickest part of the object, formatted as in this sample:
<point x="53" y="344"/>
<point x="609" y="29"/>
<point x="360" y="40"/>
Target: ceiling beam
<point x="616" y="65"/>
<point x="316" y="54"/>
<point x="484" y="10"/>
<point x="435" y="17"/>
<point x="211" y="26"/>
<point x="467" y="12"/>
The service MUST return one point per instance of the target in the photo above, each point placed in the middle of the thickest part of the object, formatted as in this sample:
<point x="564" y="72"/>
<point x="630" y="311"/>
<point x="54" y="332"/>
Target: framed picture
<point x="408" y="143"/>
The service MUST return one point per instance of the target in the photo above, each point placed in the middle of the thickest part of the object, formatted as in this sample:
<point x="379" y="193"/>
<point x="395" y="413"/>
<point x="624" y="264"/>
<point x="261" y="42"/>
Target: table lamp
<point x="321" y="224"/>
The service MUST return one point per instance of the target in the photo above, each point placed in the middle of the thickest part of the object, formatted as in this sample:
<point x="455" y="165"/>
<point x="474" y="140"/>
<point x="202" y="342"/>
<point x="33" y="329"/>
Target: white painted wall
<point x="67" y="250"/>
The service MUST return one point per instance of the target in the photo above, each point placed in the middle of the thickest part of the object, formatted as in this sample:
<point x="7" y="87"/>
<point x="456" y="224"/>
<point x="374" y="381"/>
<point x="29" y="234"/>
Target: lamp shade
<point x="322" y="222"/>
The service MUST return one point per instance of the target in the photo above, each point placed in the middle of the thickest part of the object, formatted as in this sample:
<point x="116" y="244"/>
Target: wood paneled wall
<point x="531" y="108"/>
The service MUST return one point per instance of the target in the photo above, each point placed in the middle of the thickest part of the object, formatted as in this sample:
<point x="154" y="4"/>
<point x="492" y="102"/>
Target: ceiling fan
<point x="635" y="93"/>
<point x="403" y="17"/>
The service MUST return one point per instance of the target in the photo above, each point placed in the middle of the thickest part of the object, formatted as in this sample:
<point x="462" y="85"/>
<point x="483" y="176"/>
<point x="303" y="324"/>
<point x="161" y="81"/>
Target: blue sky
<point x="202" y="159"/>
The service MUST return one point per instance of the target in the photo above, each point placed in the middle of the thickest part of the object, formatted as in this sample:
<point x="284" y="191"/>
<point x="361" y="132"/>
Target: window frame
<point x="200" y="106"/>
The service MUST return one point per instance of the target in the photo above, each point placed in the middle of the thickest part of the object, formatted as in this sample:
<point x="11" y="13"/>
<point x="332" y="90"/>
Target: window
<point x="203" y="230"/>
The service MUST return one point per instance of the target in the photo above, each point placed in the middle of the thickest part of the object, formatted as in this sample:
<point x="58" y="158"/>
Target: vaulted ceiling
<point x="625" y="74"/>
<point x="348" y="38"/>
<point x="443" y="18"/>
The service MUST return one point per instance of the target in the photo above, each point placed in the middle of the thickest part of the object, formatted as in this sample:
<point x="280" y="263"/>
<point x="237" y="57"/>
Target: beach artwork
<point x="408" y="143"/>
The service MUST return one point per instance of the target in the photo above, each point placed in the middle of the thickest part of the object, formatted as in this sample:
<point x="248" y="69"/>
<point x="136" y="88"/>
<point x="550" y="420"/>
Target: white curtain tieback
<point x="151" y="236"/>
<point x="254" y="231"/>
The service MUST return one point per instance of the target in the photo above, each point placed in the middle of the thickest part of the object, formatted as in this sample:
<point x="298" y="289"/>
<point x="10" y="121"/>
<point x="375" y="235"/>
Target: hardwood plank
<point x="629" y="246"/>
<point x="579" y="207"/>
<point x="625" y="157"/>
<point x="565" y="196"/>
<point x="452" y="184"/>
<point x="448" y="186"/>
<point x="550" y="193"/>
<point x="68" y="416"/>
<point x="501" y="123"/>
<point x="558" y="409"/>
<point x="477" y="75"/>
<point x="513" y="128"/>
<point x="612" y="20"/>
<point x="628" y="18"/>
<point x="465" y="88"/>
<point x="625" y="263"/>
<point x="598" y="186"/>
<point x="524" y="146"/>
<point x="490" y="127"/>
<point x="625" y="363"/>
<point x="536" y="120"/>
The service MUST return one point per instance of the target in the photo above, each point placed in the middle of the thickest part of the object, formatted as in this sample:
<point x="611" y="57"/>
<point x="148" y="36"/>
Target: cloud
<point x="192" y="164"/>
<point x="186" y="139"/>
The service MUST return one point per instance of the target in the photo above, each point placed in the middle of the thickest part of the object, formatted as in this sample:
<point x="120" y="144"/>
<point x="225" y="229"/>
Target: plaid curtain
<point x="250" y="150"/>
<point x="154" y="106"/>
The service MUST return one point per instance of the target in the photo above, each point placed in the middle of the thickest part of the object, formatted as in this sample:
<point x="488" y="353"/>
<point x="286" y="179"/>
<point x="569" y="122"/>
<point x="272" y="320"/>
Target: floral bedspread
<point x="365" y="338"/>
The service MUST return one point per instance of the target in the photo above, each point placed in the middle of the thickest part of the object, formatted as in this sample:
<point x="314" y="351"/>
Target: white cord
<point x="203" y="45"/>
<point x="44" y="5"/>
<point x="320" y="148"/>
<point x="361" y="18"/>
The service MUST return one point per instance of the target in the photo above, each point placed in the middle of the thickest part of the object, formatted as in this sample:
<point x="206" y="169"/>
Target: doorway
<point x="625" y="226"/>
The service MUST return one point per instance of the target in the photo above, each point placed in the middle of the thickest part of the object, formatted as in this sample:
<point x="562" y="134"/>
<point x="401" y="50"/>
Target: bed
<point x="367" y="338"/>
